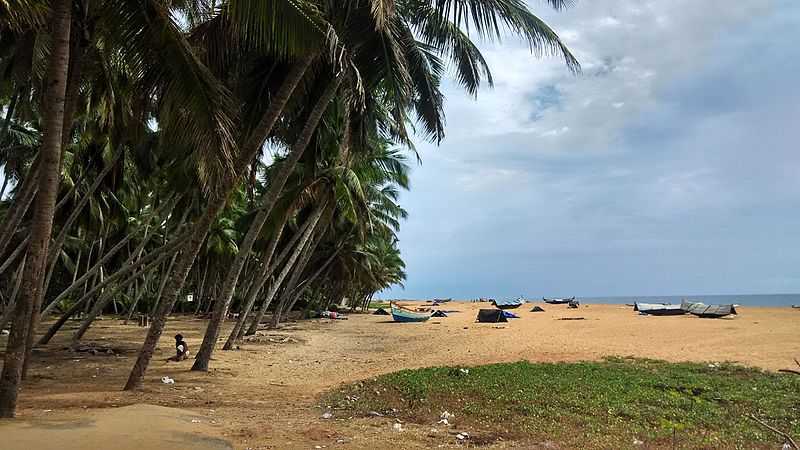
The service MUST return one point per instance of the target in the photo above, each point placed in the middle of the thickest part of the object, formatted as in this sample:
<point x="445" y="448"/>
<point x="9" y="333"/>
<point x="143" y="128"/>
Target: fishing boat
<point x="404" y="314"/>
<point x="507" y="303"/>
<point x="708" y="311"/>
<point x="659" y="309"/>
<point x="557" y="301"/>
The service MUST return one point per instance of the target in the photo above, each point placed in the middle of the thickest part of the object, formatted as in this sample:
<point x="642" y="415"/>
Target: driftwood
<point x="796" y="372"/>
<point x="788" y="439"/>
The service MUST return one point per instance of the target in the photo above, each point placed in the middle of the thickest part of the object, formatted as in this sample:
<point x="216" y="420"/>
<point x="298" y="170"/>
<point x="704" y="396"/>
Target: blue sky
<point x="669" y="166"/>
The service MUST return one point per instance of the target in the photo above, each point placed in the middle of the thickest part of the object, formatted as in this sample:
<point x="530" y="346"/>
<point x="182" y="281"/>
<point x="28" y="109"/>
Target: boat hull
<point x="508" y="306"/>
<point x="402" y="315"/>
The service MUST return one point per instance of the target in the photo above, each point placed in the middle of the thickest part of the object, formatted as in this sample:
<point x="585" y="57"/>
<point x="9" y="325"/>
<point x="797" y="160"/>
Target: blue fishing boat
<point x="402" y="314"/>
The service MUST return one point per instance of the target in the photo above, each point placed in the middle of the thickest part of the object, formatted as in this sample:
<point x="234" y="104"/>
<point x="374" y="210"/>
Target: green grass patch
<point x="607" y="404"/>
<point x="378" y="304"/>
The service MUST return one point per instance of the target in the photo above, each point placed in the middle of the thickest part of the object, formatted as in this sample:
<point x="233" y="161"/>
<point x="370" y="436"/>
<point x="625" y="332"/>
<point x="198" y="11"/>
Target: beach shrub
<point x="616" y="403"/>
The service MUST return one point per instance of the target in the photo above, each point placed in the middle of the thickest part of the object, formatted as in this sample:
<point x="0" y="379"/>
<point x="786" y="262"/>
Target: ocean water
<point x="744" y="300"/>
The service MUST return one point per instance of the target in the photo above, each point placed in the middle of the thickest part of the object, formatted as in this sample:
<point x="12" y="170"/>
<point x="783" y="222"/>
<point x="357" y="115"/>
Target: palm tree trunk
<point x="12" y="300"/>
<point x="201" y="289"/>
<point x="266" y="272"/>
<point x="305" y="284"/>
<point x="218" y="315"/>
<point x="267" y="203"/>
<point x="55" y="250"/>
<point x="17" y="251"/>
<point x="138" y="292"/>
<point x="19" y="206"/>
<point x="289" y="265"/>
<point x="189" y="253"/>
<point x="144" y="265"/>
<point x="90" y="271"/>
<point x="26" y="311"/>
<point x="295" y="278"/>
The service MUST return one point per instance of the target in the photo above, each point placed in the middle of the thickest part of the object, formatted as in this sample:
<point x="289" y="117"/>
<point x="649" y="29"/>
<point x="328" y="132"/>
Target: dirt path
<point x="265" y="394"/>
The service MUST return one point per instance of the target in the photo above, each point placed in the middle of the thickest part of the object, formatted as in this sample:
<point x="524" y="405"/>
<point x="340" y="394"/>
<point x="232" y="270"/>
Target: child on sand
<point x="181" y="349"/>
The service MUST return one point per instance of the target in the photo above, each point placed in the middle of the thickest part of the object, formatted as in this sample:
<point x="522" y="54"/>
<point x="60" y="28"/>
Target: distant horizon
<point x="788" y="298"/>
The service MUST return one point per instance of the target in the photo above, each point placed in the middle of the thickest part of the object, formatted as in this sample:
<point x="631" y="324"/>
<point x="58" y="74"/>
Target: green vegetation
<point x="608" y="404"/>
<point x="378" y="304"/>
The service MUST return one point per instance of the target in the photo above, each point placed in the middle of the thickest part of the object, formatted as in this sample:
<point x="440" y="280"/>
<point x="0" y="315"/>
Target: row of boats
<point x="695" y="308"/>
<point x="421" y="314"/>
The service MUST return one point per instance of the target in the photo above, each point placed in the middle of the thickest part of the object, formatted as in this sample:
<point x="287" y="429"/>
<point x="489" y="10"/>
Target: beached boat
<point x="708" y="311"/>
<point x="557" y="301"/>
<point x="403" y="314"/>
<point x="507" y="303"/>
<point x="659" y="309"/>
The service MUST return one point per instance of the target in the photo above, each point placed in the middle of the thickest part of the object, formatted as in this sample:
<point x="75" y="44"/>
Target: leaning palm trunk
<point x="93" y="270"/>
<point x="304" y="242"/>
<point x="103" y="301"/>
<point x="12" y="300"/>
<point x="58" y="244"/>
<point x="201" y="227"/>
<point x="267" y="203"/>
<point x="301" y="289"/>
<point x="218" y="315"/>
<point x="19" y="205"/>
<point x="17" y="251"/>
<point x="145" y="264"/>
<point x="295" y="278"/>
<point x="262" y="277"/>
<point x="27" y="307"/>
<point x="139" y="290"/>
<point x="298" y="288"/>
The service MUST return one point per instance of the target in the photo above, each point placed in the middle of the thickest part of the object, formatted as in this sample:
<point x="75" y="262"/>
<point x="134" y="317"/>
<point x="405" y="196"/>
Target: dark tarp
<point x="438" y="314"/>
<point x="537" y="309"/>
<point x="381" y="312"/>
<point x="491" y="316"/>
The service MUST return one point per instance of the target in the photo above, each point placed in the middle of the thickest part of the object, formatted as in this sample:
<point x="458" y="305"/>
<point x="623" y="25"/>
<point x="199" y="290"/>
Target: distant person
<point x="181" y="349"/>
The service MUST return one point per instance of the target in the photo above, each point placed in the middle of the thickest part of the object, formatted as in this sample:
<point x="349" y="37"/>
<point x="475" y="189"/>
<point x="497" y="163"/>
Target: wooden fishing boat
<point x="709" y="311"/>
<point x="403" y="314"/>
<point x="557" y="301"/>
<point x="660" y="309"/>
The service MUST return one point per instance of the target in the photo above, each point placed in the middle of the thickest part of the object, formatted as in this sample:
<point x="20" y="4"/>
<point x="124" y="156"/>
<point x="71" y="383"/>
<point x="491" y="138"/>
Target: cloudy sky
<point x="669" y="166"/>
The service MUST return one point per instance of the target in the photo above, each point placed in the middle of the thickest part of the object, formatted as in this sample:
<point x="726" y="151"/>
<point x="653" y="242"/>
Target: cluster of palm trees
<point x="245" y="153"/>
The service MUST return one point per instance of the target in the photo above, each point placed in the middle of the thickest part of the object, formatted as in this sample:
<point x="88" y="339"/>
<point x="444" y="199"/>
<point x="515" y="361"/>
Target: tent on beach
<point x="491" y="316"/>
<point x="439" y="314"/>
<point x="381" y="312"/>
<point x="537" y="309"/>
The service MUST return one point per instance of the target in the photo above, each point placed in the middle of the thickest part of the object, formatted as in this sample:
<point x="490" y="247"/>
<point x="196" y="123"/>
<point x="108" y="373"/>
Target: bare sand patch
<point x="265" y="394"/>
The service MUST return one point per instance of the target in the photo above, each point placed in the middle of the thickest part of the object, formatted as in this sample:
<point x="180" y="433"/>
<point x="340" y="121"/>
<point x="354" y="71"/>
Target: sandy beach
<point x="266" y="394"/>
